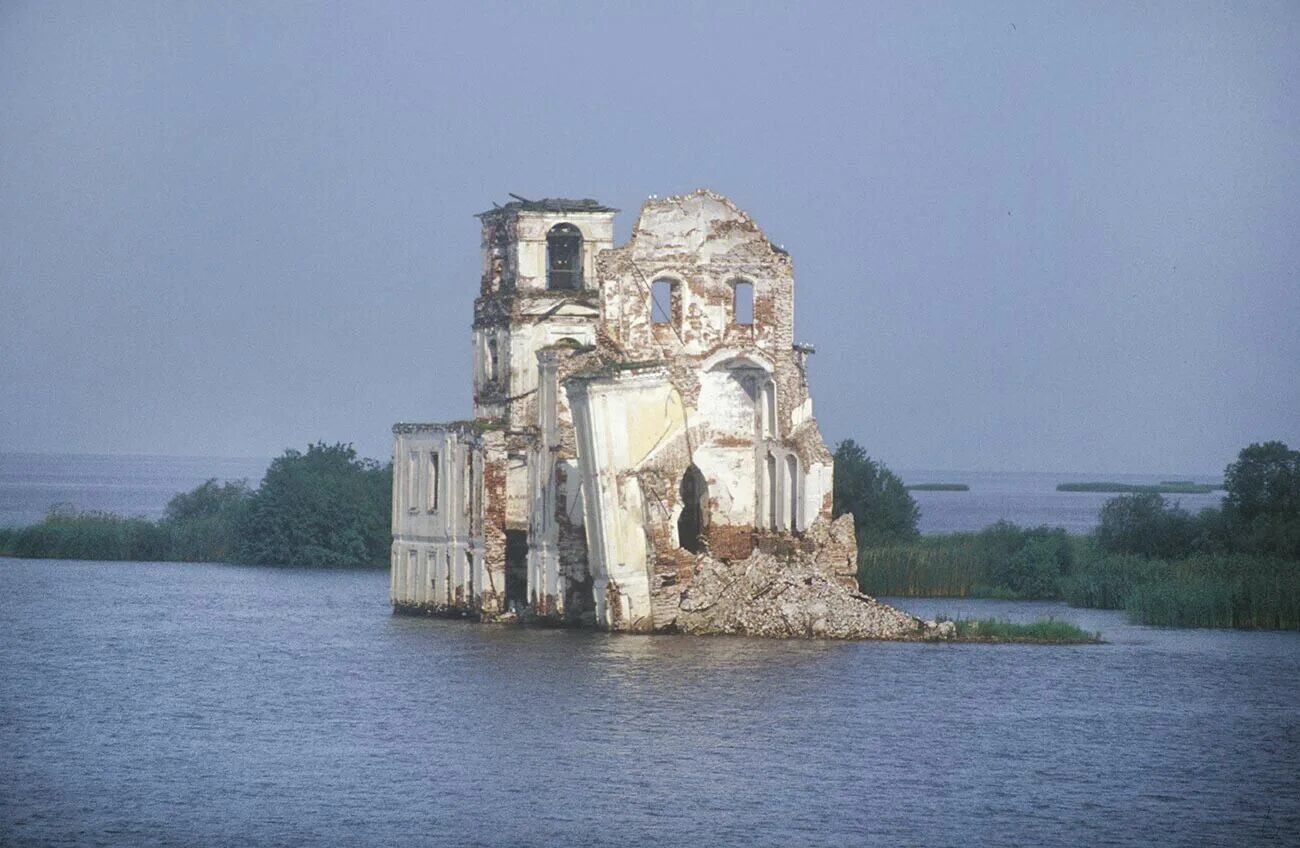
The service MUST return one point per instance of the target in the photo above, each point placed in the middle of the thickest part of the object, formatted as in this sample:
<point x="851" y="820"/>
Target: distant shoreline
<point x="1167" y="487"/>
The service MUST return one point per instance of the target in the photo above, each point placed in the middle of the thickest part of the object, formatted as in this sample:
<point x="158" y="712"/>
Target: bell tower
<point x="539" y="296"/>
<point x="539" y="287"/>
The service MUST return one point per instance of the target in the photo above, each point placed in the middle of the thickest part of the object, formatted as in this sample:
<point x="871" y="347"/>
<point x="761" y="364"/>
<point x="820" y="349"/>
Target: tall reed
<point x="1221" y="591"/>
<point x="88" y="535"/>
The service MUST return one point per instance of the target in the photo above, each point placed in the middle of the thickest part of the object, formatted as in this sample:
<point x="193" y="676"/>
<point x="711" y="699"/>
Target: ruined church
<point x="643" y="454"/>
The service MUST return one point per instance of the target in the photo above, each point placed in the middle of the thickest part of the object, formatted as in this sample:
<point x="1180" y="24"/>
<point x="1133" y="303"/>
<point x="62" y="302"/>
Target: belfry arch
<point x="564" y="258"/>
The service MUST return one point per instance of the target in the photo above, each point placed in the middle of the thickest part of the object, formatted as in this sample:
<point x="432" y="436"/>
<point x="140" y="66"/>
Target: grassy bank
<point x="938" y="487"/>
<point x="1047" y="631"/>
<point x="1168" y="487"/>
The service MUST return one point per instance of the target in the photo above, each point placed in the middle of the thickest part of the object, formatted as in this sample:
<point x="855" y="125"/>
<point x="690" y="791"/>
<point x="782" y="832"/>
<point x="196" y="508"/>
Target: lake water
<point x="168" y="704"/>
<point x="1030" y="498"/>
<point x="31" y="483"/>
<point x="141" y="485"/>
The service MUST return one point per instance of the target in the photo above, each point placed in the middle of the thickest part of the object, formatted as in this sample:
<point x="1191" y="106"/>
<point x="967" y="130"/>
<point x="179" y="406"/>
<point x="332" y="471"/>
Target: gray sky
<point x="1026" y="236"/>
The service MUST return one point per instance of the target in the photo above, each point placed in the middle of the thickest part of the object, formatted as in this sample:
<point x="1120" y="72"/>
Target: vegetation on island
<point x="1045" y="631"/>
<point x="1234" y="566"/>
<point x="938" y="487"/>
<point x="325" y="507"/>
<point x="1168" y="487"/>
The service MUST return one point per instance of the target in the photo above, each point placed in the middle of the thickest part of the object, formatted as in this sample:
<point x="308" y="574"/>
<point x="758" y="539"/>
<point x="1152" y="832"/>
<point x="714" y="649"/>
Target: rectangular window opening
<point x="742" y="305"/>
<point x="661" y="302"/>
<point x="434" y="475"/>
<point x="467" y="483"/>
<point x="413" y="481"/>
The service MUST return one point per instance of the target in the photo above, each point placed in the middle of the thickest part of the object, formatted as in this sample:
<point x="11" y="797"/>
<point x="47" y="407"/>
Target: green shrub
<point x="883" y="511"/>
<point x="1145" y="525"/>
<point x="324" y="507"/>
<point x="204" y="522"/>
<point x="1262" y="507"/>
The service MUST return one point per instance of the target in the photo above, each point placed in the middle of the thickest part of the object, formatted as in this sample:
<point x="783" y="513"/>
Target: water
<point x="168" y="704"/>
<point x="127" y="485"/>
<point x="142" y="485"/>
<point x="1030" y="499"/>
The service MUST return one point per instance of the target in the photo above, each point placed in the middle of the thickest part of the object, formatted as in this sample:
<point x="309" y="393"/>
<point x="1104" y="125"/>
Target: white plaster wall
<point x="527" y="339"/>
<point x="818" y="480"/>
<point x="729" y="472"/>
<point x="619" y="422"/>
<point x="424" y="536"/>
<point x="726" y="404"/>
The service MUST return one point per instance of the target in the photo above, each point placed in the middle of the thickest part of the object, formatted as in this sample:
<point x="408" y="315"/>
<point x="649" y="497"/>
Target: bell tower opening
<point x="564" y="257"/>
<point x="694" y="519"/>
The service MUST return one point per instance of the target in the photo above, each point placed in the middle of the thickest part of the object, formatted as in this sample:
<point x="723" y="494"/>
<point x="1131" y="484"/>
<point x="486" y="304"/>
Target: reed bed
<point x="935" y="566"/>
<point x="88" y="535"/>
<point x="1001" y="561"/>
<point x="1220" y="591"/>
<point x="1205" y="590"/>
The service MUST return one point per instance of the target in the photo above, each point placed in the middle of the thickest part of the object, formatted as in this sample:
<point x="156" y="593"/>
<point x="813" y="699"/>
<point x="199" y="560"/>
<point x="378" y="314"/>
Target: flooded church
<point x="643" y="454"/>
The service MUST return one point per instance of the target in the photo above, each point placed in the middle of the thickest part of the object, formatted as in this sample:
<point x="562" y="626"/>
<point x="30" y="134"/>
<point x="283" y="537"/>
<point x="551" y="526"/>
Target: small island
<point x="1046" y="631"/>
<point x="1166" y="487"/>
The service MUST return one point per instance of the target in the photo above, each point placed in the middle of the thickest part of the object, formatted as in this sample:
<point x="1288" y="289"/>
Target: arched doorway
<point x="694" y="519"/>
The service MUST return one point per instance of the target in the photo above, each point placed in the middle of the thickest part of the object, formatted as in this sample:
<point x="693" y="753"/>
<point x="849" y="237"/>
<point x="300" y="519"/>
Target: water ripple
<point x="155" y="704"/>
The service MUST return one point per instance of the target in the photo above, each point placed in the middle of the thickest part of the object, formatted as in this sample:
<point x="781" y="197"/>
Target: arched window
<point x="742" y="302"/>
<point x="665" y="302"/>
<point x="492" y="360"/>
<point x="564" y="257"/>
<point x="694" y="491"/>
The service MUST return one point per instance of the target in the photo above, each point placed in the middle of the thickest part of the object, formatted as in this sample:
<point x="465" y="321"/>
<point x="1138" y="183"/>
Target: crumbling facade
<point x="642" y="429"/>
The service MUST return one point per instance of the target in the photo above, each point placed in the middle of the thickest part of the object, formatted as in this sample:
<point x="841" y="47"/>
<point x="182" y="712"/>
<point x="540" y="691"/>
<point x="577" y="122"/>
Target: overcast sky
<point x="1026" y="236"/>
